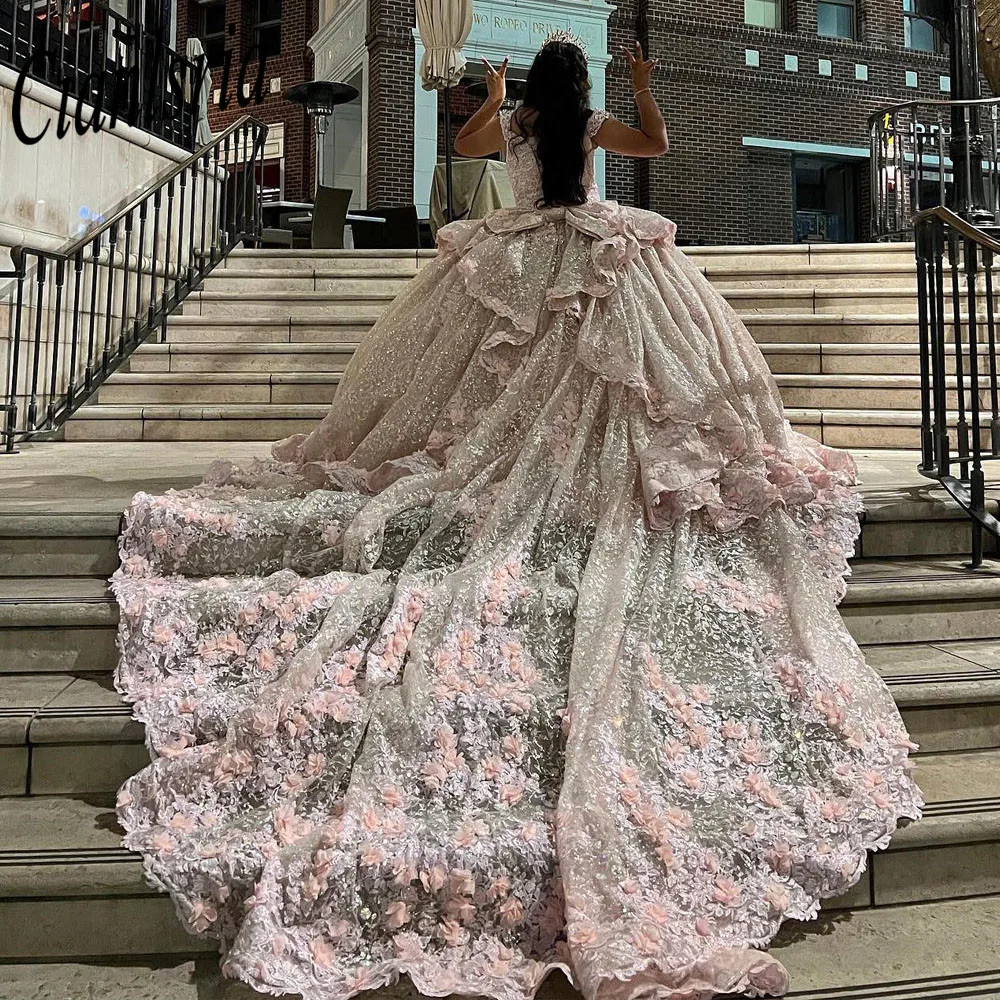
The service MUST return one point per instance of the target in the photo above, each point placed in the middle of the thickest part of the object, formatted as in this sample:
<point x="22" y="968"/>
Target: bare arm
<point x="650" y="138"/>
<point x="481" y="135"/>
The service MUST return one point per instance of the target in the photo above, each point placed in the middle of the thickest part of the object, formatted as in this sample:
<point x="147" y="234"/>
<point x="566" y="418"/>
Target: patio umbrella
<point x="444" y="26"/>
<point x="195" y="53"/>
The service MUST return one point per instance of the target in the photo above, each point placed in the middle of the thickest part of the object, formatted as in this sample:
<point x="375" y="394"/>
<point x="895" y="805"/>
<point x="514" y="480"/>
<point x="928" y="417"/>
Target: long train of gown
<point x="528" y="657"/>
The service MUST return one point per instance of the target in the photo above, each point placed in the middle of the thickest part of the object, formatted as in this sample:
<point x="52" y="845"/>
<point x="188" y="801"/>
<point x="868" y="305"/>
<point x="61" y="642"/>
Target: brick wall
<point x="391" y="73"/>
<point x="717" y="189"/>
<point x="294" y="65"/>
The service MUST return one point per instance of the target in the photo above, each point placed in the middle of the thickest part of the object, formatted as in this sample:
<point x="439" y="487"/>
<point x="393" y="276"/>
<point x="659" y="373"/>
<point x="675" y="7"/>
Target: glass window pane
<point x="269" y="40"/>
<point x="215" y="19"/>
<point x="215" y="52"/>
<point x="762" y="13"/>
<point x="919" y="35"/>
<point x="835" y="20"/>
<point x="270" y="10"/>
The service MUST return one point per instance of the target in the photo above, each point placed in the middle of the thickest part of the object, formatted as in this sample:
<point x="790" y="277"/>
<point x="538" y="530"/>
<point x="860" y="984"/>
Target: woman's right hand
<point x="496" y="81"/>
<point x="641" y="67"/>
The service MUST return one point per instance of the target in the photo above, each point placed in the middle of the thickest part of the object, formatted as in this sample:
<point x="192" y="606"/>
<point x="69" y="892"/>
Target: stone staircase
<point x="78" y="919"/>
<point x="258" y="352"/>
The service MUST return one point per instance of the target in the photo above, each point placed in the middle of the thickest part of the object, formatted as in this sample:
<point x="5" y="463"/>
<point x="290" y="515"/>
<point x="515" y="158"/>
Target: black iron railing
<point x="105" y="59"/>
<point x="70" y="317"/>
<point x="960" y="402"/>
<point x="930" y="153"/>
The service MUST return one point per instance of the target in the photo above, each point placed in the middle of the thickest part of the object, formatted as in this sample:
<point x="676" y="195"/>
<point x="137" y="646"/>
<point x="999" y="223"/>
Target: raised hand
<point x="641" y="67"/>
<point x="496" y="81"/>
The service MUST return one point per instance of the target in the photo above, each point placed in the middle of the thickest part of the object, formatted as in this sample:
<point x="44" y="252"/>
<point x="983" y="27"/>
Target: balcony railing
<point x="103" y="58"/>
<point x="926" y="154"/>
<point x="71" y="317"/>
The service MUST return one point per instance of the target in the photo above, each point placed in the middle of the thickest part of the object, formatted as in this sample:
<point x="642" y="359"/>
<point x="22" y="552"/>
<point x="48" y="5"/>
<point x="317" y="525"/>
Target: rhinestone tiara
<point x="567" y="37"/>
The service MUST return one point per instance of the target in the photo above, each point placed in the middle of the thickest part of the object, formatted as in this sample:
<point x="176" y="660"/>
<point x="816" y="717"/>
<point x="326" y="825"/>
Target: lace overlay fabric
<point x="523" y="167"/>
<point x="527" y="657"/>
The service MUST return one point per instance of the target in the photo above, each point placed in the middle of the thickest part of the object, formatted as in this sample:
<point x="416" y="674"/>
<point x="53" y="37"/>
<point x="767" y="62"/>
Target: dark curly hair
<point x="554" y="112"/>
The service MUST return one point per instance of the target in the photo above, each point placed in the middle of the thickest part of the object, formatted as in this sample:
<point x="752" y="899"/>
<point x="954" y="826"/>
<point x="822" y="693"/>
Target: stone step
<point x="293" y="330"/>
<point x="355" y="282"/>
<point x="219" y="422"/>
<point x="766" y="256"/>
<point x="849" y="391"/>
<point x="66" y="734"/>
<point x="936" y="951"/>
<point x="798" y="327"/>
<point x="71" y="541"/>
<point x="62" y="852"/>
<point x="71" y="733"/>
<point x="240" y="357"/>
<point x="770" y="328"/>
<point x="57" y="624"/>
<point x="221" y="378"/>
<point x="190" y="388"/>
<point x="857" y="300"/>
<point x="901" y="274"/>
<point x="855" y="359"/>
<point x="368" y="262"/>
<point x="251" y="306"/>
<point x="866" y="428"/>
<point x="275" y="305"/>
<point x="154" y="977"/>
<point x="926" y="599"/>
<point x="840" y="427"/>
<point x="44" y="544"/>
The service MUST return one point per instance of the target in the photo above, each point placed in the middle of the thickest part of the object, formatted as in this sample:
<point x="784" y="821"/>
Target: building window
<point x="213" y="32"/>
<point x="762" y="13"/>
<point x="836" y="19"/>
<point x="265" y="22"/>
<point x="918" y="34"/>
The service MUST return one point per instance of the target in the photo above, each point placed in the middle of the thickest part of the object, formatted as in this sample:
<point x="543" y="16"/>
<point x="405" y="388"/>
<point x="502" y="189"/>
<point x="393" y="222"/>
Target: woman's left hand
<point x="496" y="81"/>
<point x="641" y="67"/>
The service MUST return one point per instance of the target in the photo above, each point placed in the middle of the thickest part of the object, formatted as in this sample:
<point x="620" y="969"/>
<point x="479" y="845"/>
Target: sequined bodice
<point x="525" y="171"/>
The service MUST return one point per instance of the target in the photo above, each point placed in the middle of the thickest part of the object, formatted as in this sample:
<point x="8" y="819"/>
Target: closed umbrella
<point x="444" y="26"/>
<point x="195" y="52"/>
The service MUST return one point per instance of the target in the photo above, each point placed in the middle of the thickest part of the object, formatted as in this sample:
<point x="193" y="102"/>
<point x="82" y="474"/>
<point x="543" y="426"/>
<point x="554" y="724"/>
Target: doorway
<point x="825" y="200"/>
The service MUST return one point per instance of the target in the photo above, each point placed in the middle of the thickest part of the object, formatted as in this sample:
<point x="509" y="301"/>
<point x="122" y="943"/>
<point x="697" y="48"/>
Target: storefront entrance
<point x="825" y="200"/>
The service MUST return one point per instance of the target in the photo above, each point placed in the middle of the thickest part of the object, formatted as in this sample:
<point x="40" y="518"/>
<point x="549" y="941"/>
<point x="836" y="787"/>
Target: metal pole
<point x="447" y="156"/>
<point x="966" y="147"/>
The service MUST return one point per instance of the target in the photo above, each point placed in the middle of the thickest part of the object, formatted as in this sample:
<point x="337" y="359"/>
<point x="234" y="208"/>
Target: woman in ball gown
<point x="527" y="657"/>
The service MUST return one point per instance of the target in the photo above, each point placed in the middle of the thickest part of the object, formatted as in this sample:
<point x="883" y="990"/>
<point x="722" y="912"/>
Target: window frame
<point x="851" y="5"/>
<point x="214" y="37"/>
<point x="779" y="16"/>
<point x="939" y="46"/>
<point x="257" y="26"/>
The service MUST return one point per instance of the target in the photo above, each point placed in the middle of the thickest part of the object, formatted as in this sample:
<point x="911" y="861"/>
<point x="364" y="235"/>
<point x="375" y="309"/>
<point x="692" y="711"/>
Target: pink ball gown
<point x="527" y="657"/>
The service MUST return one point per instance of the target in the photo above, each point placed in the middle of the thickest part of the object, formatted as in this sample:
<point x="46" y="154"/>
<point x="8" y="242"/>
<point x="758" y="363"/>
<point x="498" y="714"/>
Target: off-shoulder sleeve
<point x="596" y="120"/>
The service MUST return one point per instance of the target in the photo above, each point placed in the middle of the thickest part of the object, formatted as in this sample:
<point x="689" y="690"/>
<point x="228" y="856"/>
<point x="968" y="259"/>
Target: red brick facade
<point x="294" y="65"/>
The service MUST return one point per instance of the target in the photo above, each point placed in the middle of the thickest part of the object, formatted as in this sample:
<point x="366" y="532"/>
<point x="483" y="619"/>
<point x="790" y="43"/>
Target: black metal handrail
<point x="73" y="315"/>
<point x="959" y="392"/>
<point x="926" y="153"/>
<point x="105" y="59"/>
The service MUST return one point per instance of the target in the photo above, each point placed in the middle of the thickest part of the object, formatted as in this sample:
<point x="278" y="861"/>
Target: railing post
<point x="109" y="297"/>
<point x="32" y="414"/>
<point x="74" y="343"/>
<point x="10" y="426"/>
<point x="54" y="352"/>
<point x="938" y="367"/>
<point x="925" y="264"/>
